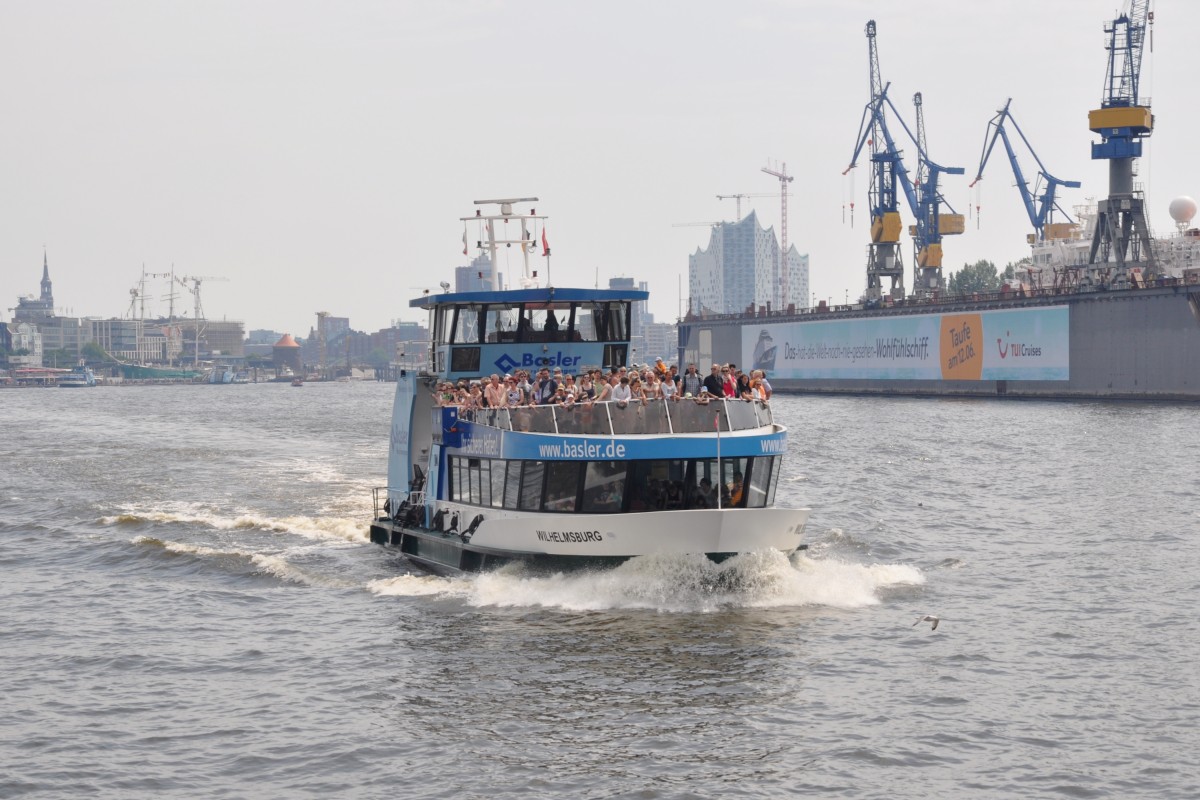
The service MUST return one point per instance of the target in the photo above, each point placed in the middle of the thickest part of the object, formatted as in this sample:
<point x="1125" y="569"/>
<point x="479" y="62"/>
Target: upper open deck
<point x="610" y="418"/>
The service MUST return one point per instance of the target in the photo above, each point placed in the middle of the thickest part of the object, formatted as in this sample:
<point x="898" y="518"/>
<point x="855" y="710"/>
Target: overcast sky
<point x="319" y="154"/>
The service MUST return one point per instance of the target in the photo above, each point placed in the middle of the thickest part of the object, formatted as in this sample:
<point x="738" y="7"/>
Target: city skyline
<point x="320" y="158"/>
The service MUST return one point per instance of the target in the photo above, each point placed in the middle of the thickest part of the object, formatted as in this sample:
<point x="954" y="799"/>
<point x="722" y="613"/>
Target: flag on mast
<point x="464" y="240"/>
<point x="545" y="242"/>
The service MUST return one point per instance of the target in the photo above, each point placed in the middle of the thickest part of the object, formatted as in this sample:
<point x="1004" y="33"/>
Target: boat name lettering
<point x="508" y="362"/>
<point x="774" y="445"/>
<point x="568" y="449"/>
<point x="399" y="438"/>
<point x="564" y="537"/>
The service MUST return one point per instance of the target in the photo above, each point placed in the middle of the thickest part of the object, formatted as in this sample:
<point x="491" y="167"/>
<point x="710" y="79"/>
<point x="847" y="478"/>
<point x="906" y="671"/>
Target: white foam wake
<point x="671" y="583"/>
<point x="314" y="527"/>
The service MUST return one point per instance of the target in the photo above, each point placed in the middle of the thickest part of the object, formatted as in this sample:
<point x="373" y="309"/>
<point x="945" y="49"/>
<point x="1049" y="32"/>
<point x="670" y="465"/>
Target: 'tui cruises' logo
<point x="506" y="362"/>
<point x="1016" y="349"/>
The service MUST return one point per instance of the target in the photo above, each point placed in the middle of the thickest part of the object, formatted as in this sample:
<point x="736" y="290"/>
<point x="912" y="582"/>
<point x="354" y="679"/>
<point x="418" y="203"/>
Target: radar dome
<point x="1183" y="208"/>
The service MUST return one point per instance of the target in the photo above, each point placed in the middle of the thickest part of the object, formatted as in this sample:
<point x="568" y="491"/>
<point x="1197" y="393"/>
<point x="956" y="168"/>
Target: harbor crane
<point x="887" y="171"/>
<point x="1121" y="240"/>
<point x="924" y="198"/>
<point x="782" y="266"/>
<point x="931" y="225"/>
<point x="1041" y="215"/>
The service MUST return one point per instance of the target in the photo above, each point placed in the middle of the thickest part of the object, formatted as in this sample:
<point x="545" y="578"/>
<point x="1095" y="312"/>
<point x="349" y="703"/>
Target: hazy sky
<point x="319" y="154"/>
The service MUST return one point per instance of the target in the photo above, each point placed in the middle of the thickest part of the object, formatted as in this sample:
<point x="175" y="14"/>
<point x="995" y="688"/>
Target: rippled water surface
<point x="190" y="608"/>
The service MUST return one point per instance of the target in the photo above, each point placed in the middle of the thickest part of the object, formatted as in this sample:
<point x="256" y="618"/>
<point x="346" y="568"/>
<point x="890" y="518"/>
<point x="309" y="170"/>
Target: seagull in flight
<point x="927" y="618"/>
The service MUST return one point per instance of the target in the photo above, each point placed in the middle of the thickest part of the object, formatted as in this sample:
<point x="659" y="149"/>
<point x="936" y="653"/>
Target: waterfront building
<point x="286" y="353"/>
<point x="740" y="270"/>
<point x="24" y="343"/>
<point x="36" y="310"/>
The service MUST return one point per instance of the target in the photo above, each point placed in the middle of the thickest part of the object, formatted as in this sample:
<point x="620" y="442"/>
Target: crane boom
<point x="1041" y="214"/>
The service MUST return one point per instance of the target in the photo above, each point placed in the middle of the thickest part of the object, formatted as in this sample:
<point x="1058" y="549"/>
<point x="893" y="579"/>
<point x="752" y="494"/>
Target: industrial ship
<point x="1104" y="310"/>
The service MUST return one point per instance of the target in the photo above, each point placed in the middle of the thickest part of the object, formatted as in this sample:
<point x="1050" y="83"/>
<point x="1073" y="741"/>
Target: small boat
<point x="297" y="381"/>
<point x="79" y="377"/>
<point x="567" y="485"/>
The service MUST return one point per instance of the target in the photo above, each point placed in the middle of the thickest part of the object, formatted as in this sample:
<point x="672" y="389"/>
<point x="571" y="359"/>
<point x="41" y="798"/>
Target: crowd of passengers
<point x="621" y="385"/>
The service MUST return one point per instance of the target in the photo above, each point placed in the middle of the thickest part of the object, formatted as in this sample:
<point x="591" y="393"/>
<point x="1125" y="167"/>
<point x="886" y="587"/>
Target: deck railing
<point x="614" y="418"/>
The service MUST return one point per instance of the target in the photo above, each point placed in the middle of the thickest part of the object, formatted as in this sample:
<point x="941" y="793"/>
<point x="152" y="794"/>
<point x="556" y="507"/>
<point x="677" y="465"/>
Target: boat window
<point x="501" y="322"/>
<point x="547" y="322"/>
<point x="512" y="485"/>
<point x="776" y="466"/>
<point x="657" y="484"/>
<point x="453" y="477"/>
<point x="474" y="469"/>
<point x="585" y="322"/>
<point x="613" y="324"/>
<point x="497" y="483"/>
<point x="733" y="486"/>
<point x="466" y="326"/>
<point x="443" y="325"/>
<point x="700" y="490"/>
<point x="562" y="485"/>
<point x="760" y="482"/>
<point x="603" y="487"/>
<point x="531" y="485"/>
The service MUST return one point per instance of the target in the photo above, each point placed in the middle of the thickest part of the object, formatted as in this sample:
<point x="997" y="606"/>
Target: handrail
<point x="621" y="418"/>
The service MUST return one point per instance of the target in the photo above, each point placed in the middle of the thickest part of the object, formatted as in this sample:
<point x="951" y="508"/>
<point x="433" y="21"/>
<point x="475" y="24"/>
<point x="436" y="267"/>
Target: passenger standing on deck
<point x="712" y="382"/>
<point x="494" y="394"/>
<point x="728" y="383"/>
<point x="691" y="382"/>
<point x="621" y="392"/>
<point x="545" y="388"/>
<point x="513" y="395"/>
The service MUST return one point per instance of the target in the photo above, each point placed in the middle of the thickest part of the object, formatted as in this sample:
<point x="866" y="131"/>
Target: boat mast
<point x="525" y="240"/>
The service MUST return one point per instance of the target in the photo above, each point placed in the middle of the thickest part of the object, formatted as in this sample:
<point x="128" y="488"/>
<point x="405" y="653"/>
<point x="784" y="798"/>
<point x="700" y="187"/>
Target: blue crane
<point x="1121" y="240"/>
<point x="1041" y="214"/>
<point x="931" y="225"/>
<point x="889" y="178"/>
<point x="887" y="172"/>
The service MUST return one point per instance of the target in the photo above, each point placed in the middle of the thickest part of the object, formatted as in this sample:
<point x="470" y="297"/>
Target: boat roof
<point x="539" y="295"/>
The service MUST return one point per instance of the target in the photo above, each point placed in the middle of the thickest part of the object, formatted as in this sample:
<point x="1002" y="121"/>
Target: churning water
<point x="190" y="608"/>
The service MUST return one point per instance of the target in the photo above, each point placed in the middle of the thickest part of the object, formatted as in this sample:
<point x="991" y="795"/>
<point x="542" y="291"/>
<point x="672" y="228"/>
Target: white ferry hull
<point x="580" y="541"/>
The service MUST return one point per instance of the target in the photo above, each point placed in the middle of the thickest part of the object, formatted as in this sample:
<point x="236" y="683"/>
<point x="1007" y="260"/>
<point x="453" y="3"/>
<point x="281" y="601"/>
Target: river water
<point x="190" y="608"/>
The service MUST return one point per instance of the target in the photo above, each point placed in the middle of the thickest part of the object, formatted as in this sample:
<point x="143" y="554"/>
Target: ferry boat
<point x="566" y="485"/>
<point x="79" y="377"/>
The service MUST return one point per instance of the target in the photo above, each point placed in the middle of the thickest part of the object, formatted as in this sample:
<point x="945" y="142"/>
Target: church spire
<point x="47" y="290"/>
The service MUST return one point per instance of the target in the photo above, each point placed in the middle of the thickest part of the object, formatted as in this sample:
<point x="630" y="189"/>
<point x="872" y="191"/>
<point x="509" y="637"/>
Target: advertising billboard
<point x="1028" y="344"/>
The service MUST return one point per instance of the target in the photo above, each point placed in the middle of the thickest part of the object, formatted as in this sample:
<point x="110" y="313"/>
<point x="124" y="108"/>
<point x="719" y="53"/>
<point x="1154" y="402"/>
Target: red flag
<point x="464" y="241"/>
<point x="545" y="243"/>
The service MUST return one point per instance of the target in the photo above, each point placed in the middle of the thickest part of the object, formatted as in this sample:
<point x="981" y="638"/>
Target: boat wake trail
<point x="288" y="566"/>
<point x="670" y="583"/>
<point x="351" y="530"/>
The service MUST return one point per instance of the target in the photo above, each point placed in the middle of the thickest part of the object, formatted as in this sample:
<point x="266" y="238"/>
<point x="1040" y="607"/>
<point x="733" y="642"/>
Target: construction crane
<point x="197" y="322"/>
<point x="1121" y="241"/>
<point x="931" y="225"/>
<point x="887" y="171"/>
<point x="782" y="270"/>
<point x="738" y="198"/>
<point x="1041" y="215"/>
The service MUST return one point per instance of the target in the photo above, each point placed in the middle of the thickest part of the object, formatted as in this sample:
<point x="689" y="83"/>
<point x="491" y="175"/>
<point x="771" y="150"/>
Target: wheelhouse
<point x="477" y="333"/>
